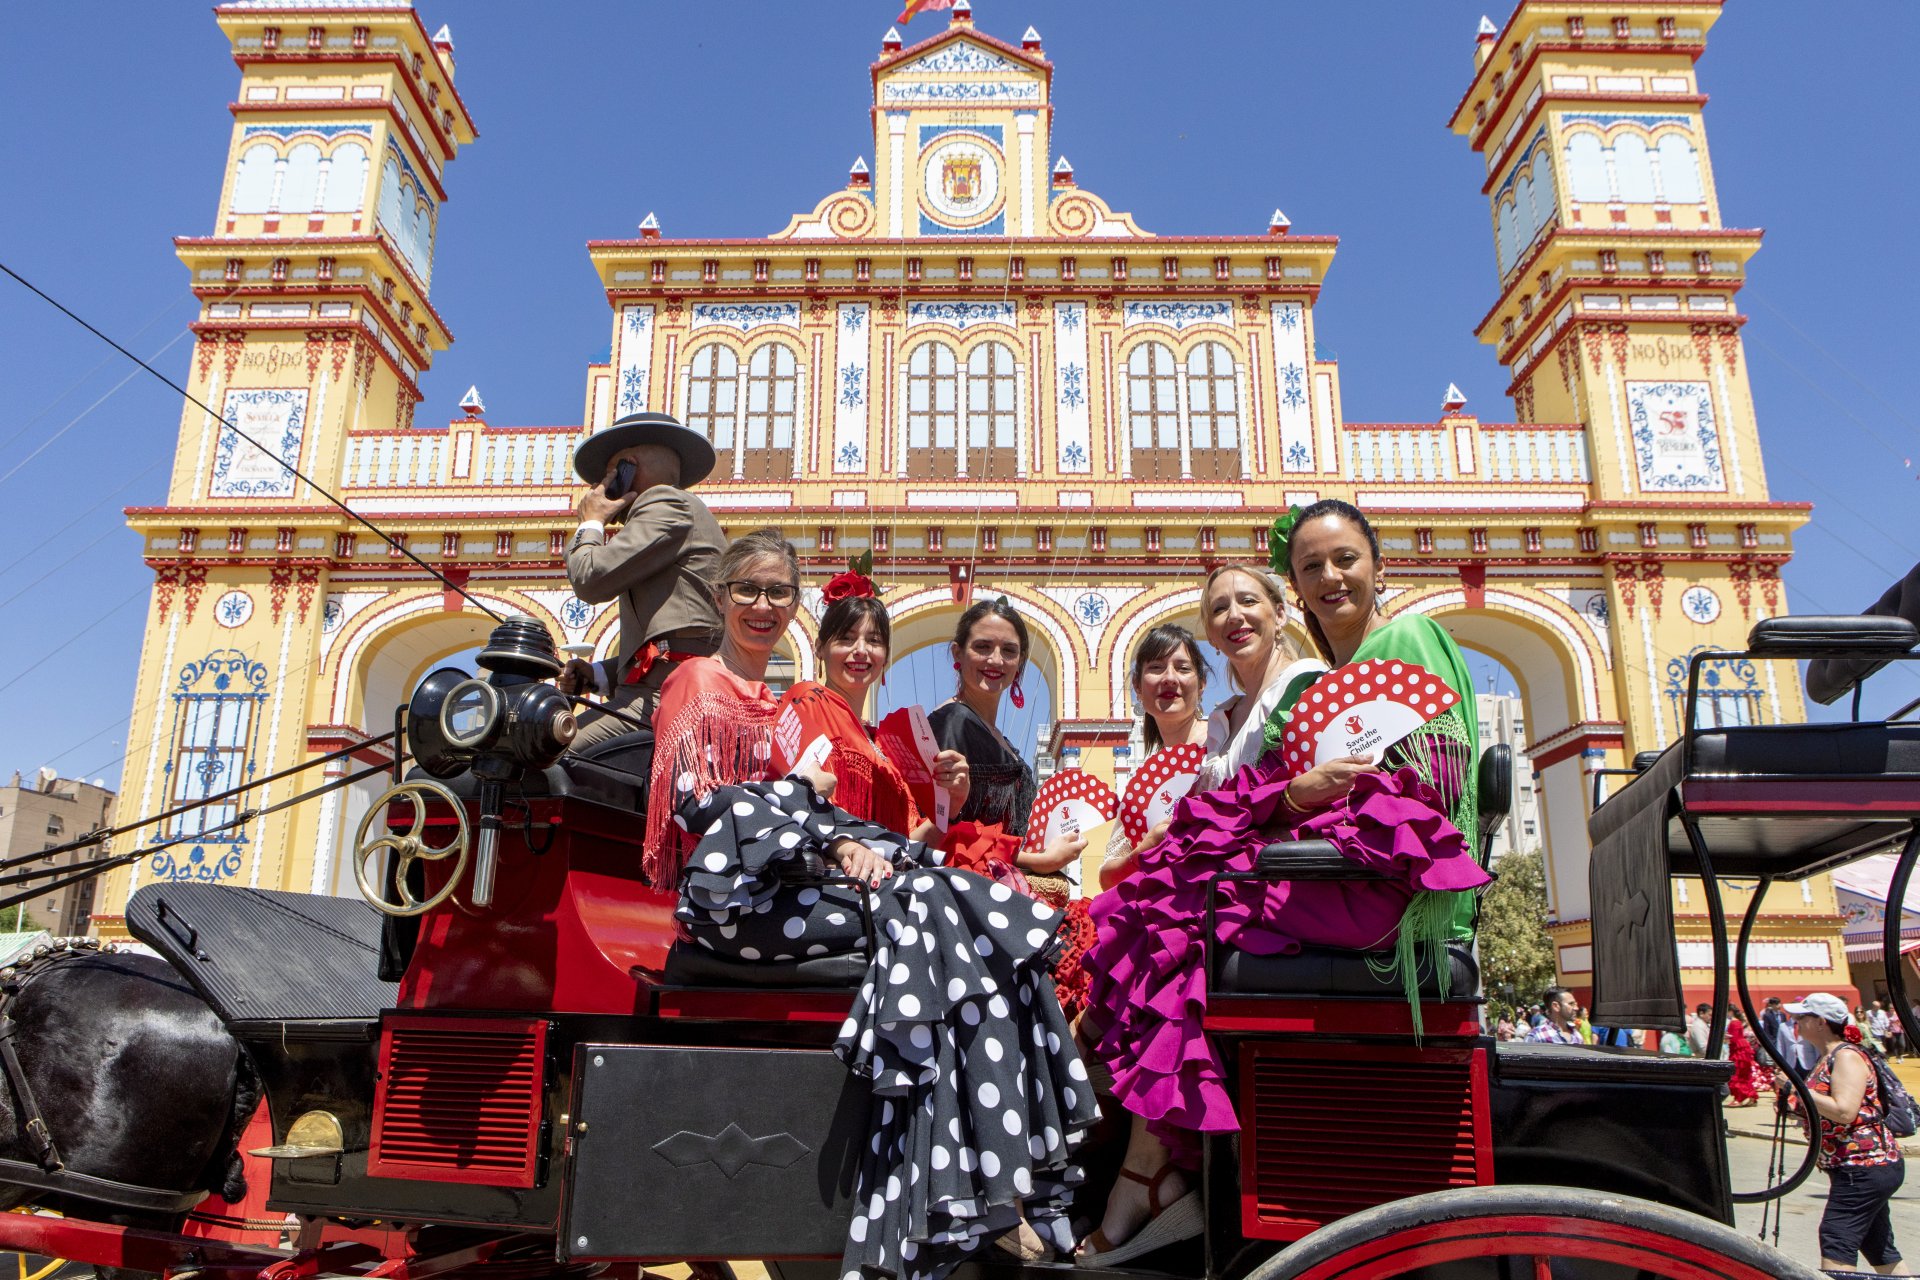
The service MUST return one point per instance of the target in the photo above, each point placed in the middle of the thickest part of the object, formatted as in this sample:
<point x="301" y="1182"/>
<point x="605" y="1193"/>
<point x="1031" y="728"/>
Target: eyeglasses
<point x="778" y="594"/>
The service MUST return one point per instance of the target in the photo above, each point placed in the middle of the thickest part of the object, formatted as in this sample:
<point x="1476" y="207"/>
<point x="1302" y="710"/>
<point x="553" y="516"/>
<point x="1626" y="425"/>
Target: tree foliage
<point x="1516" y="955"/>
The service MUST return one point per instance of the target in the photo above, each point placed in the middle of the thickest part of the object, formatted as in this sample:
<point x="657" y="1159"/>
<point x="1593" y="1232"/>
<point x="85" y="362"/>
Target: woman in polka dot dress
<point x="979" y="1094"/>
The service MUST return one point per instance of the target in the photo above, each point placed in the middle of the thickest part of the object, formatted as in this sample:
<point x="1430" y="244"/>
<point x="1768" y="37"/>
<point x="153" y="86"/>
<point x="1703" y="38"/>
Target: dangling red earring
<point x="1019" y="697"/>
<point x="956" y="666"/>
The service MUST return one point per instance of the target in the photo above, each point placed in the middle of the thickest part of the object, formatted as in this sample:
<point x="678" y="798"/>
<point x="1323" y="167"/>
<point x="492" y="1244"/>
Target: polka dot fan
<point x="1156" y="786"/>
<point x="1071" y="802"/>
<point x="1361" y="710"/>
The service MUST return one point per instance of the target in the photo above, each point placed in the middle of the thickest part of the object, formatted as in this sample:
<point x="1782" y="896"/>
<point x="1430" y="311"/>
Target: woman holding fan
<point x="1403" y="818"/>
<point x="1168" y="676"/>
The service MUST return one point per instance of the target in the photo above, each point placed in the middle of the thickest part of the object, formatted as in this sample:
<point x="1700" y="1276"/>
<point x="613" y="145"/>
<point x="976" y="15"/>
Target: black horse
<point x="137" y="1080"/>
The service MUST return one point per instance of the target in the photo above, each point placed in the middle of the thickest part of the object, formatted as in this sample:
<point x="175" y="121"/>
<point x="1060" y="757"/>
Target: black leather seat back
<point x="1495" y="786"/>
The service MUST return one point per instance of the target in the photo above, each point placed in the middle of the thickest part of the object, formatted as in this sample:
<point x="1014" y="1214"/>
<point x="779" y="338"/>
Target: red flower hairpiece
<point x="854" y="582"/>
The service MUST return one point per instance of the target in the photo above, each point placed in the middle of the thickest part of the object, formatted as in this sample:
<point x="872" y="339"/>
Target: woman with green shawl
<point x="1403" y="818"/>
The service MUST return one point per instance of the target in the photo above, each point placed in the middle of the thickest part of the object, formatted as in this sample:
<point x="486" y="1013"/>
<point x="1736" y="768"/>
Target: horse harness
<point x="49" y="1171"/>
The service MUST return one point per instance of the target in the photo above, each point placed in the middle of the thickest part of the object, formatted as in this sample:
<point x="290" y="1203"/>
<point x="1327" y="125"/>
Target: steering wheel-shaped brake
<point x="410" y="848"/>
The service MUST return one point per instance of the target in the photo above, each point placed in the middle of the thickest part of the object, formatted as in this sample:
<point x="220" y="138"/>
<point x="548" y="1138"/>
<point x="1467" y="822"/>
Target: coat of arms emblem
<point x="960" y="179"/>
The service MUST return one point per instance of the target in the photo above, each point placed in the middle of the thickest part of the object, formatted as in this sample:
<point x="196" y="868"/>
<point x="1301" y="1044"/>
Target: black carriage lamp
<point x="498" y="726"/>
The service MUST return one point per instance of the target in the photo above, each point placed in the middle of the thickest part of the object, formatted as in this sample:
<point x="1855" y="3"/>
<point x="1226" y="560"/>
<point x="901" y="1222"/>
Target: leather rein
<point x="49" y="1171"/>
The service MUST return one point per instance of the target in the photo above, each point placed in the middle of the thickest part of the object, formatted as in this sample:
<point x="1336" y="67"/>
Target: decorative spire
<point x="650" y="227"/>
<point x="1278" y="224"/>
<point x="1062" y="173"/>
<point x="962" y="15"/>
<point x="1483" y="41"/>
<point x="859" y="175"/>
<point x="890" y="42"/>
<point x="1030" y="40"/>
<point x="471" y="402"/>
<point x="1455" y="401"/>
<point x="1487" y="30"/>
<point x="443" y="38"/>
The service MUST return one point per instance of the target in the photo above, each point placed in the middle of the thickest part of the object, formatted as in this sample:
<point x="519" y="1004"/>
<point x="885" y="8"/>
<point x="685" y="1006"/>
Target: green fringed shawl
<point x="1446" y="753"/>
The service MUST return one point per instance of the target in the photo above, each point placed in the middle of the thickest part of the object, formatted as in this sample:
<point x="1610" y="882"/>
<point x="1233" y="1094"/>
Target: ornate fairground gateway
<point x="976" y="368"/>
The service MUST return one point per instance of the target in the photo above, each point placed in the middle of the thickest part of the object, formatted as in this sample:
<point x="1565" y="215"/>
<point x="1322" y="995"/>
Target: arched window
<point x="1587" y="170"/>
<point x="766" y="434"/>
<point x="1680" y="171"/>
<point x="992" y="448"/>
<point x="1506" y="238"/>
<point x="1213" y="412"/>
<point x="712" y="387"/>
<point x="420" y="251"/>
<point x="1543" y="201"/>
<point x="391" y="197"/>
<point x="1153" y="412"/>
<point x="253" y="179"/>
<point x="933" y="413"/>
<point x="1525" y="220"/>
<point x="300" y="189"/>
<point x="346" y="179"/>
<point x="1633" y="169"/>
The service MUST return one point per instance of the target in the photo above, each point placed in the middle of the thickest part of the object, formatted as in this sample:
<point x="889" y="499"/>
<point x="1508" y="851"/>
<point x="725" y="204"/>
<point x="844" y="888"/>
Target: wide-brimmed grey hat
<point x="696" y="454"/>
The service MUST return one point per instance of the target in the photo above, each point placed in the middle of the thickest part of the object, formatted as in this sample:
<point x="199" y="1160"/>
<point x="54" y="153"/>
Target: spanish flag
<point x="921" y="6"/>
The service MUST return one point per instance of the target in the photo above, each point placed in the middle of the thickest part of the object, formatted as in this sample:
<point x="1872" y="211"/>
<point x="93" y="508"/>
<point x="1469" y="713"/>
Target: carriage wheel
<point x="33" y="1266"/>
<point x="1531" y="1228"/>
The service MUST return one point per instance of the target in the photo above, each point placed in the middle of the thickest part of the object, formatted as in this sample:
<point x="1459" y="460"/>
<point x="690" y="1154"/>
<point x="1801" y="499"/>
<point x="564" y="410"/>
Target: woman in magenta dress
<point x="1403" y="819"/>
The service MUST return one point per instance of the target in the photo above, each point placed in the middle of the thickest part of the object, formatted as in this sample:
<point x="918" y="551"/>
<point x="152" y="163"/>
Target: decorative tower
<point x="314" y="323"/>
<point x="1617" y="310"/>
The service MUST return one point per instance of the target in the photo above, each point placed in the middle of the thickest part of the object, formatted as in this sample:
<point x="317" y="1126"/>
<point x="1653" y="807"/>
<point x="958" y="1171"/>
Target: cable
<point x="76" y="419"/>
<point x="103" y="865"/>
<point x="77" y="382"/>
<point x="27" y="557"/>
<point x="95" y="837"/>
<point x="398" y="544"/>
<point x="56" y="650"/>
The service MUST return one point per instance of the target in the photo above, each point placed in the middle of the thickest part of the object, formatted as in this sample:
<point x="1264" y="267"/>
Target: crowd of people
<point x="997" y="1002"/>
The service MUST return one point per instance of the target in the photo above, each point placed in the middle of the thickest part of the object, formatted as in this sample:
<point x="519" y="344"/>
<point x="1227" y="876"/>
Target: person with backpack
<point x="1861" y="1112"/>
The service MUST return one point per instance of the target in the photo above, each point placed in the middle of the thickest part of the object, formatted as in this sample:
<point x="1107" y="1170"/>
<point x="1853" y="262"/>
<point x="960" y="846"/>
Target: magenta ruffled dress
<point x="1149" y="978"/>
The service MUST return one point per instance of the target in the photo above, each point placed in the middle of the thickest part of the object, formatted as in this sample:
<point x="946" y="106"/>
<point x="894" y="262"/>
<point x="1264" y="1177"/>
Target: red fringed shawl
<point x="711" y="728"/>
<point x="867" y="784"/>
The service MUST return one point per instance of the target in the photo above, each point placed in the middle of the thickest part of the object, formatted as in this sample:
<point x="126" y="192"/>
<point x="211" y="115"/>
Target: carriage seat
<point x="691" y="965"/>
<point x="1336" y="972"/>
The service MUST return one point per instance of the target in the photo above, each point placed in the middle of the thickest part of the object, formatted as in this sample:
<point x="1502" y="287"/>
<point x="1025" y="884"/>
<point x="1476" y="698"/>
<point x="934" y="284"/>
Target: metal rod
<point x="1776" y="1160"/>
<point x="1717" y="921"/>
<point x="1891" y="959"/>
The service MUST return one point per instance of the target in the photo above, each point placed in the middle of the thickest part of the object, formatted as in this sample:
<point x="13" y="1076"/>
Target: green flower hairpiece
<point x="1278" y="537"/>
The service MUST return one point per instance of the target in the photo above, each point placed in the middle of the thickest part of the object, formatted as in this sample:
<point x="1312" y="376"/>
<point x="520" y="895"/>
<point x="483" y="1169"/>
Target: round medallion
<point x="1700" y="604"/>
<point x="1091" y="609"/>
<point x="1596" y="608"/>
<point x="331" y="616"/>
<point x="960" y="182"/>
<point x="575" y="613"/>
<point x="233" y="609"/>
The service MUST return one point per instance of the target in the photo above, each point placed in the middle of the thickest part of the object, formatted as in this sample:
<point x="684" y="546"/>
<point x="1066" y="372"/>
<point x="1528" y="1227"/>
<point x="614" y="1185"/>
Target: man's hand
<point x="576" y="678"/>
<point x="596" y="505"/>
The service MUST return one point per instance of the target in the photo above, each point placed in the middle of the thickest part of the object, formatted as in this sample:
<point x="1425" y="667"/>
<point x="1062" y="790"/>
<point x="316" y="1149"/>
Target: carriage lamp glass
<point x="471" y="714"/>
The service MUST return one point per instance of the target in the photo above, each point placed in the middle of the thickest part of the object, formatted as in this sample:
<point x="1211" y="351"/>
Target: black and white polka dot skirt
<point x="979" y="1097"/>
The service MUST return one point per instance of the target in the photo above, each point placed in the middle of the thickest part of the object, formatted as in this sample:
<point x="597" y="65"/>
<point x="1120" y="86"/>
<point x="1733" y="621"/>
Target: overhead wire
<point x="76" y="384"/>
<point x="398" y="544"/>
<point x="77" y="418"/>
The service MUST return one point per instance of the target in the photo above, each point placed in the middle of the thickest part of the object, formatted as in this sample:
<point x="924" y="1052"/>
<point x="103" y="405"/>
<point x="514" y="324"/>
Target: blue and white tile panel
<point x="1072" y="389"/>
<point x="959" y="315"/>
<point x="746" y="316"/>
<point x="852" y="388"/>
<point x="1291" y="387"/>
<point x="1179" y="314"/>
<point x="635" y="358"/>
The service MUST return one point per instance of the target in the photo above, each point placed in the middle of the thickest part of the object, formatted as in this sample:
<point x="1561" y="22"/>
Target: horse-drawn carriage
<point x="503" y="1064"/>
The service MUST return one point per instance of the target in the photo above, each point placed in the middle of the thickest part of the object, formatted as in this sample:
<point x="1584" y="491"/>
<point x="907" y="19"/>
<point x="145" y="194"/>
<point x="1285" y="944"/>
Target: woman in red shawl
<point x="855" y="641"/>
<point x="1748" y="1078"/>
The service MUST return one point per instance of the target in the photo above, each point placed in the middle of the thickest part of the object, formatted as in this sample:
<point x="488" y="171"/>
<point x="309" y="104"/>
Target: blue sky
<point x="725" y="118"/>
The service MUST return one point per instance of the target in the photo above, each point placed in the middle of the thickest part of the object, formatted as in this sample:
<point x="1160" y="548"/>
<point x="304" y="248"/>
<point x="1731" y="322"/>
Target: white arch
<point x="377" y="621"/>
<point x="1067" y="663"/>
<point x="1178" y="602"/>
<point x="1588" y="682"/>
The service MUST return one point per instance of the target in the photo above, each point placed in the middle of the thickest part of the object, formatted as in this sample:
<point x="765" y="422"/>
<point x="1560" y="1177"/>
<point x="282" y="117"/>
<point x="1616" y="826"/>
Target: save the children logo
<point x="1355" y="724"/>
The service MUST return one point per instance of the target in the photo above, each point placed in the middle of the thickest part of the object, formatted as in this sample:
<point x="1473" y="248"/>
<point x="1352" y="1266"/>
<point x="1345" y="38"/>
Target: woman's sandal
<point x="1024" y="1243"/>
<point x="1166" y="1224"/>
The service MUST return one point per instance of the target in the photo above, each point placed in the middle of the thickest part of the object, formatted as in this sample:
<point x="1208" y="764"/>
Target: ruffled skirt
<point x="1147" y="969"/>
<point x="979" y="1095"/>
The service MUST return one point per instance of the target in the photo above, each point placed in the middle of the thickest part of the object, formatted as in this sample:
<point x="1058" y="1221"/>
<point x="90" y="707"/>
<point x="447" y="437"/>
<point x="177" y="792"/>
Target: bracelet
<point x="1286" y="798"/>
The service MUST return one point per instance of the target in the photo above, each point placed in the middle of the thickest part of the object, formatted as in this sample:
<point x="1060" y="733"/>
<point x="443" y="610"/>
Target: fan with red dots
<point x="1156" y="786"/>
<point x="1361" y="710"/>
<point x="1071" y="802"/>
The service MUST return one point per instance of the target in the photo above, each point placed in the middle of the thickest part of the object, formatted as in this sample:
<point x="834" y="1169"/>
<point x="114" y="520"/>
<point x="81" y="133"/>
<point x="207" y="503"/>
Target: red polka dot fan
<point x="1071" y="802"/>
<point x="1157" y="786"/>
<point x="1361" y="710"/>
